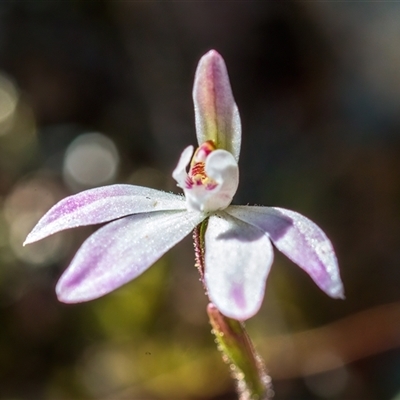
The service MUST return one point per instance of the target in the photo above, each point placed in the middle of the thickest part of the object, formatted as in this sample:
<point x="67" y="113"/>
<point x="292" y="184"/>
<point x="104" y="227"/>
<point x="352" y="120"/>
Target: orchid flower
<point x="143" y="224"/>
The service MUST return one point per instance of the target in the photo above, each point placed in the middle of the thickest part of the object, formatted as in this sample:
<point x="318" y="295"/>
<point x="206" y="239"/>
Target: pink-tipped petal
<point x="122" y="250"/>
<point x="100" y="205"/>
<point x="300" y="240"/>
<point x="216" y="114"/>
<point x="238" y="258"/>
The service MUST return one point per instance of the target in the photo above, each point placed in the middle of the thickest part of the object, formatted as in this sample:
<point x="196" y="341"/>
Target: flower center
<point x="197" y="175"/>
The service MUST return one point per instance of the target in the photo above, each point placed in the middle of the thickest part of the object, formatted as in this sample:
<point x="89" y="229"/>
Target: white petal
<point x="222" y="167"/>
<point x="103" y="204"/>
<point x="180" y="171"/>
<point x="300" y="240"/>
<point x="238" y="258"/>
<point x="122" y="250"/>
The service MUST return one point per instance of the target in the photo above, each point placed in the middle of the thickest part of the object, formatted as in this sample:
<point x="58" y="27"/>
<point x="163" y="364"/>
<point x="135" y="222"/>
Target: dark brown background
<point x="318" y="89"/>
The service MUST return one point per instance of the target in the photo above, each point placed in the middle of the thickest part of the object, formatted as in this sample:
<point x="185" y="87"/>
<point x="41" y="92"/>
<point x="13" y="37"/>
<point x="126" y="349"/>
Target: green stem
<point x="247" y="367"/>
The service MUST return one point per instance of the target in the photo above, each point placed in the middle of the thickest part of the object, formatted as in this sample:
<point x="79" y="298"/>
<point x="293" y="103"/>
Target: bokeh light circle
<point x="92" y="159"/>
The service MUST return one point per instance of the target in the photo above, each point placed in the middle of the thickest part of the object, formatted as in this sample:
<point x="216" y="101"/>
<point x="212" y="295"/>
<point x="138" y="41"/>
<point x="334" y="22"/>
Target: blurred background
<point x="99" y="92"/>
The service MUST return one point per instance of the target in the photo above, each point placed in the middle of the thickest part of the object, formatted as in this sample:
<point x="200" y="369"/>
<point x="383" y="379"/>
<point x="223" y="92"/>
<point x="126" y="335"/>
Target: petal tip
<point x="68" y="296"/>
<point x="39" y="232"/>
<point x="29" y="239"/>
<point x="65" y="292"/>
<point x="239" y="315"/>
<point x="213" y="55"/>
<point x="339" y="294"/>
<point x="334" y="289"/>
<point x="68" y="300"/>
<point x="65" y="300"/>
